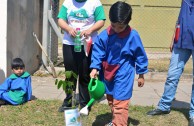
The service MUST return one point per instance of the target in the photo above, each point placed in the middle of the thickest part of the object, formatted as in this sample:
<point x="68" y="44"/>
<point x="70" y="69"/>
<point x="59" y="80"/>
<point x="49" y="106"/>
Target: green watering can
<point x="96" y="89"/>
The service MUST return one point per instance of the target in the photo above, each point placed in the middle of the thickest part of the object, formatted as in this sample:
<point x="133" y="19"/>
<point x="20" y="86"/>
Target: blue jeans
<point x="178" y="60"/>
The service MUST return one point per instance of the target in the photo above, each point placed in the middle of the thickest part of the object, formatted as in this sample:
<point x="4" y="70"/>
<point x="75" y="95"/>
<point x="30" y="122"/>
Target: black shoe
<point x="66" y="106"/>
<point x="191" y="122"/>
<point x="157" y="112"/>
<point x="63" y="108"/>
<point x="2" y="102"/>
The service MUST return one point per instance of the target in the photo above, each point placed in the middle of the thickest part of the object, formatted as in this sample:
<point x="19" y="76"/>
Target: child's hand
<point x="141" y="80"/>
<point x="72" y="32"/>
<point x="94" y="73"/>
<point x="86" y="33"/>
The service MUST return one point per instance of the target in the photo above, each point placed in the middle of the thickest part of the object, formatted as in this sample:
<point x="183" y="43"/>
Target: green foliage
<point x="44" y="113"/>
<point x="70" y="74"/>
<point x="33" y="113"/>
<point x="59" y="83"/>
<point x="67" y="84"/>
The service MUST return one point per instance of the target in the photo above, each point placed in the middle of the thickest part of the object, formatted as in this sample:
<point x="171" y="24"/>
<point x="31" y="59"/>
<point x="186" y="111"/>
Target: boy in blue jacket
<point x="16" y="89"/>
<point x="117" y="54"/>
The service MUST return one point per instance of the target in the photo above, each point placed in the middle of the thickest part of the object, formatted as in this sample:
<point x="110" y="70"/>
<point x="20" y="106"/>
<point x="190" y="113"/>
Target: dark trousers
<point x="79" y="64"/>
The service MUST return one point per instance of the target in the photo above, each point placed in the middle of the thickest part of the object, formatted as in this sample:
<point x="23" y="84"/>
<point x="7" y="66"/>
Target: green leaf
<point x="66" y="91"/>
<point x="56" y="81"/>
<point x="70" y="84"/>
<point x="59" y="84"/>
<point x="70" y="91"/>
<point x="64" y="86"/>
<point x="74" y="75"/>
<point x="68" y="74"/>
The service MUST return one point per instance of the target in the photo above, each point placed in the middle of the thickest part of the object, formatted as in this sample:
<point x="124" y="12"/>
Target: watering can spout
<point x="84" y="111"/>
<point x="91" y="102"/>
<point x="96" y="89"/>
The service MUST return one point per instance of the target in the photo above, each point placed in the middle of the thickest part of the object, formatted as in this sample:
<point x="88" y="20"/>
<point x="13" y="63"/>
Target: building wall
<point x="23" y="18"/>
<point x="19" y="19"/>
<point x="3" y="38"/>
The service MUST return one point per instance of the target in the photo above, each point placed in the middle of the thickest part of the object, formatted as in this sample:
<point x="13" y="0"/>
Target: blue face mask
<point x="80" y="0"/>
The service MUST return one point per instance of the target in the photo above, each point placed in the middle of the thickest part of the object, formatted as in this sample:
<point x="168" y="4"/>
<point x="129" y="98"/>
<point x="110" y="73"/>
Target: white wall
<point x="23" y="18"/>
<point x="19" y="19"/>
<point x="3" y="40"/>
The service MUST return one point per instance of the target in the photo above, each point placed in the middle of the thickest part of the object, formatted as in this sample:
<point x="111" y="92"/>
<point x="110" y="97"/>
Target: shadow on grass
<point x="104" y="119"/>
<point x="34" y="97"/>
<point x="133" y="122"/>
<point x="182" y="107"/>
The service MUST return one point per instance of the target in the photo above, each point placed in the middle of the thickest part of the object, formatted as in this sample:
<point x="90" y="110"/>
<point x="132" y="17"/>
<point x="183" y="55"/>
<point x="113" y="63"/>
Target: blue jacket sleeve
<point x="98" y="53"/>
<point x="141" y="60"/>
<point x="4" y="87"/>
<point x="29" y="88"/>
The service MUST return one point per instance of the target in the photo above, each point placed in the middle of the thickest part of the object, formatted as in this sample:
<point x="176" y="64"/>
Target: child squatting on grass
<point x="117" y="53"/>
<point x="16" y="89"/>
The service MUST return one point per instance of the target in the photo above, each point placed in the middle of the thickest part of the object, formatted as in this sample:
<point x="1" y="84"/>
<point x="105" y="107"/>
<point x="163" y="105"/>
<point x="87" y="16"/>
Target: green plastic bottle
<point x="77" y="41"/>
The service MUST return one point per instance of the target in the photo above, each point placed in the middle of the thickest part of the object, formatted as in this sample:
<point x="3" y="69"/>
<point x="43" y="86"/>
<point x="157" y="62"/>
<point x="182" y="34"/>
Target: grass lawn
<point x="44" y="113"/>
<point x="161" y="65"/>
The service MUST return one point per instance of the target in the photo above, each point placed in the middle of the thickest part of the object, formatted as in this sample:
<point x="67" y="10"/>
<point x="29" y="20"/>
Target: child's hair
<point x="17" y="63"/>
<point x="120" y="12"/>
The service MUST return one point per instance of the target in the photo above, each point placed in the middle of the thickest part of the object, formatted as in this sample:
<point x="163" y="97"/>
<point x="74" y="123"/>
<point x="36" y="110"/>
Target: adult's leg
<point x="83" y="63"/>
<point x="178" y="60"/>
<point x="70" y="65"/>
<point x="191" y="112"/>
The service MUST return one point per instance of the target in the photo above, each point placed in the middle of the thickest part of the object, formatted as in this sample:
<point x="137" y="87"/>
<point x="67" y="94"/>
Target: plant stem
<point x="73" y="99"/>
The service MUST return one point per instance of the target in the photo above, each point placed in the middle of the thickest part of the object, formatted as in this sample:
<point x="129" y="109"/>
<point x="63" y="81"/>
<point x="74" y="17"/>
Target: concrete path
<point x="149" y="95"/>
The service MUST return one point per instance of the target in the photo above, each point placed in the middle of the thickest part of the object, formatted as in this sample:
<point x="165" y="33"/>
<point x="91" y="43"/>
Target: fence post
<point x="54" y="26"/>
<point x="53" y="43"/>
<point x="45" y="31"/>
